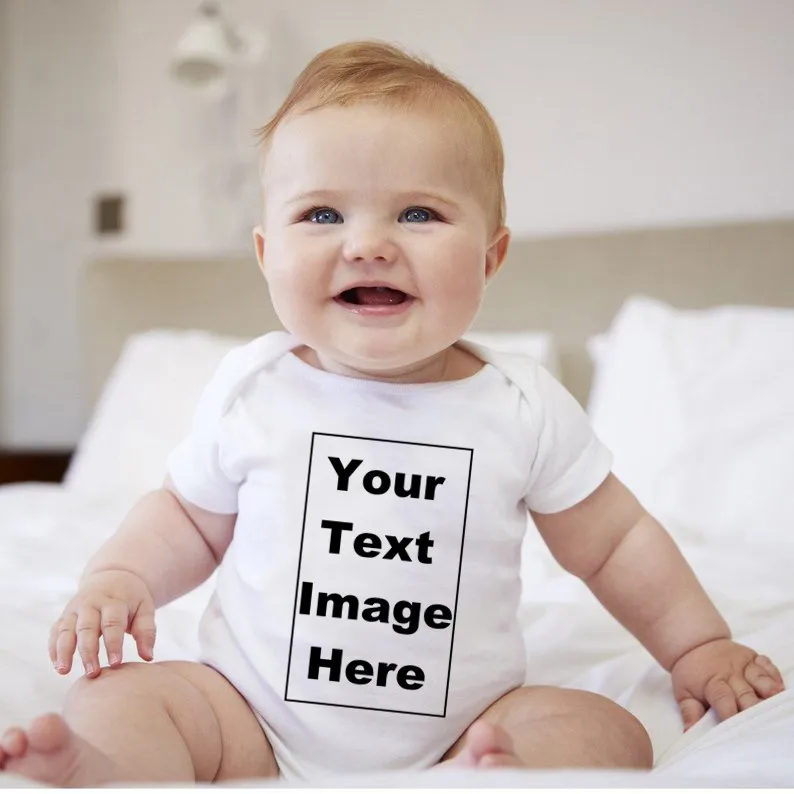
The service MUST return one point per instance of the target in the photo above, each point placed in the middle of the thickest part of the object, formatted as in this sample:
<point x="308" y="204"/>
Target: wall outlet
<point x="109" y="214"/>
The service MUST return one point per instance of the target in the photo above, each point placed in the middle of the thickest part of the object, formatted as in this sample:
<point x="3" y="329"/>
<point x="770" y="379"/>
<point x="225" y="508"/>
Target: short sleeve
<point x="195" y="465"/>
<point x="570" y="460"/>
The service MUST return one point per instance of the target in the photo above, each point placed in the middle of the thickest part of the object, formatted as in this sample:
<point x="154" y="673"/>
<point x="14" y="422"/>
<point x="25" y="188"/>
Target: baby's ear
<point x="259" y="245"/>
<point x="497" y="250"/>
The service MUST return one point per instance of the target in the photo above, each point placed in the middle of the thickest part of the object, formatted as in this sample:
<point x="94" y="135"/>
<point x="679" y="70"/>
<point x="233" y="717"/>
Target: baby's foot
<point x="51" y="752"/>
<point x="485" y="746"/>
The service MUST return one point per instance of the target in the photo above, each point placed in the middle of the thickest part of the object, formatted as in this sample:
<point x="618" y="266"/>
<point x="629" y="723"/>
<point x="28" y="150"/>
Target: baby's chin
<point x="403" y="366"/>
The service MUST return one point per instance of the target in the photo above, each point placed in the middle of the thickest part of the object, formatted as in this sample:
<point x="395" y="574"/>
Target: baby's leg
<point x="173" y="721"/>
<point x="548" y="727"/>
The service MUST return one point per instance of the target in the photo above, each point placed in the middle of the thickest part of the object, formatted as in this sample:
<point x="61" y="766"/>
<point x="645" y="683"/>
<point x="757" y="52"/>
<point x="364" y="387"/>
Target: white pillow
<point x="145" y="409"/>
<point x="537" y="344"/>
<point x="698" y="409"/>
<point x="147" y="405"/>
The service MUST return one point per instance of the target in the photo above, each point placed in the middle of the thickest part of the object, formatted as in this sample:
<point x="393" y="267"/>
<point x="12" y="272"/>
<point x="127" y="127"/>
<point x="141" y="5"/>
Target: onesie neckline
<point x="297" y="365"/>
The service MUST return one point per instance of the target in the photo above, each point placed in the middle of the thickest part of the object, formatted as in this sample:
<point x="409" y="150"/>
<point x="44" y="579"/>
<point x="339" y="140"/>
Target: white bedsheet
<point x="47" y="533"/>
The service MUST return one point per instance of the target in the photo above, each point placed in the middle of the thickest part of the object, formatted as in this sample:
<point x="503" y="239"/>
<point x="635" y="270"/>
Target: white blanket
<point x="47" y="534"/>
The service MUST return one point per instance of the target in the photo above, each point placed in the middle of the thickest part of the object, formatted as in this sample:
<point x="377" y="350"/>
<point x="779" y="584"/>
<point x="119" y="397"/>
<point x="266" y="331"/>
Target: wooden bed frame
<point x="571" y="286"/>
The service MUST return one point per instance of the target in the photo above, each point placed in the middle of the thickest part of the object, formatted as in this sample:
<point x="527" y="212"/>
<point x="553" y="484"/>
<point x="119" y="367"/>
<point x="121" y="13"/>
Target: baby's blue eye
<point x="324" y="215"/>
<point x="417" y="215"/>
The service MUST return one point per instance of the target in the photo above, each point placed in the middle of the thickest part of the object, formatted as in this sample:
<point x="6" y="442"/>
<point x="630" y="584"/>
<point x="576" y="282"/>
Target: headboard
<point x="571" y="286"/>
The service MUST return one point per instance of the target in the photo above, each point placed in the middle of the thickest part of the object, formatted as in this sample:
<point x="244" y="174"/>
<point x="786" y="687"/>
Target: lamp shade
<point x="203" y="51"/>
<point x="209" y="46"/>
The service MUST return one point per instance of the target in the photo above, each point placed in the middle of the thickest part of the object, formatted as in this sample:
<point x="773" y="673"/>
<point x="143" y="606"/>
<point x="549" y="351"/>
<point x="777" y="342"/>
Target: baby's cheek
<point x="461" y="287"/>
<point x="293" y="283"/>
<point x="290" y="300"/>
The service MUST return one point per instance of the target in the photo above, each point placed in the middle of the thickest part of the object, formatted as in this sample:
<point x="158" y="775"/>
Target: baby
<point x="362" y="483"/>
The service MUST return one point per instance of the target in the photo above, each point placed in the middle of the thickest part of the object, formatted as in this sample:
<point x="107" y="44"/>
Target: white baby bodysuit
<point x="367" y="605"/>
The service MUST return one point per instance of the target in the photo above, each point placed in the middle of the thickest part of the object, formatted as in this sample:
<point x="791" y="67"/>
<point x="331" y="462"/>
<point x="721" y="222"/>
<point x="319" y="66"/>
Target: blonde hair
<point x="373" y="71"/>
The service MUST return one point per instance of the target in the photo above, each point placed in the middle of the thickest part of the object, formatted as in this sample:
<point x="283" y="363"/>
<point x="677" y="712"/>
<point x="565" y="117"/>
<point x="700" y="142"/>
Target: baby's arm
<point x="635" y="569"/>
<point x="637" y="572"/>
<point x="164" y="548"/>
<point x="169" y="543"/>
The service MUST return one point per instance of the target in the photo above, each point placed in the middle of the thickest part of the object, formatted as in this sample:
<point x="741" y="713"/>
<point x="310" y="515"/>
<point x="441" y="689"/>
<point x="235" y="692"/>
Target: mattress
<point x="47" y="533"/>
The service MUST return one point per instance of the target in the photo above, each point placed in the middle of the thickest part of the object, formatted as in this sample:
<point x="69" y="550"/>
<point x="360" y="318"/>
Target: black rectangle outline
<point x="470" y="450"/>
<point x="365" y="708"/>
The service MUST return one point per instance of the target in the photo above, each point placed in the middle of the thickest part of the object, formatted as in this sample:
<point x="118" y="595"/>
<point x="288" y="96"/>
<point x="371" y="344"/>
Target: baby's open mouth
<point x="372" y="296"/>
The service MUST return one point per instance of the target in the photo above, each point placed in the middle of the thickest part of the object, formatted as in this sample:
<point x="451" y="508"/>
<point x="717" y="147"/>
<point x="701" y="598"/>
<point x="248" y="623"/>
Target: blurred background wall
<point x="614" y="114"/>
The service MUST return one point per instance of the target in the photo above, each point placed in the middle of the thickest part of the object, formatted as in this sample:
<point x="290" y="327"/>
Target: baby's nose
<point x="369" y="244"/>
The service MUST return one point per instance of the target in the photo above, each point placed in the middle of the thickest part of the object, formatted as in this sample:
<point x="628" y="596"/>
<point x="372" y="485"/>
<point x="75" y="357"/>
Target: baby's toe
<point x="13" y="743"/>
<point x="499" y="760"/>
<point x="48" y="733"/>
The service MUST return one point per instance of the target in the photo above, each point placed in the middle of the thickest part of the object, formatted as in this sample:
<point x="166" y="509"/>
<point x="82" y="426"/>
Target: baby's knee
<point x="629" y="739"/>
<point x="611" y="735"/>
<point x="109" y="678"/>
<point x="129" y="681"/>
<point x="203" y="706"/>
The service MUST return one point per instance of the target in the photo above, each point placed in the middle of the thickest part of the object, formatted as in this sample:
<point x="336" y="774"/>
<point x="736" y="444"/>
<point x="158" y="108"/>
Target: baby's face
<point x="375" y="243"/>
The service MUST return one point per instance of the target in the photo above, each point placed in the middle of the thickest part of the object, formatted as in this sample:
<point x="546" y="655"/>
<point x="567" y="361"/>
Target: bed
<point x="679" y="341"/>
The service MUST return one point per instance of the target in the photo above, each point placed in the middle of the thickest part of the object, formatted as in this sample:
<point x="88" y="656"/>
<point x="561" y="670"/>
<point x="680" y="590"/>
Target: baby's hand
<point x="724" y="675"/>
<point x="107" y="605"/>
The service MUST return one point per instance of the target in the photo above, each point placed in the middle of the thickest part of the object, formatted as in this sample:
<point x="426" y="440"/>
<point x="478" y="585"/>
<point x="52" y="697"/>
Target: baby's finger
<point x="761" y="681"/>
<point x="766" y="663"/>
<point x="115" y="616"/>
<point x="65" y="642"/>
<point x="720" y="696"/>
<point x="52" y="642"/>
<point x="744" y="692"/>
<point x="144" y="631"/>
<point x="88" y="630"/>
<point x="692" y="710"/>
